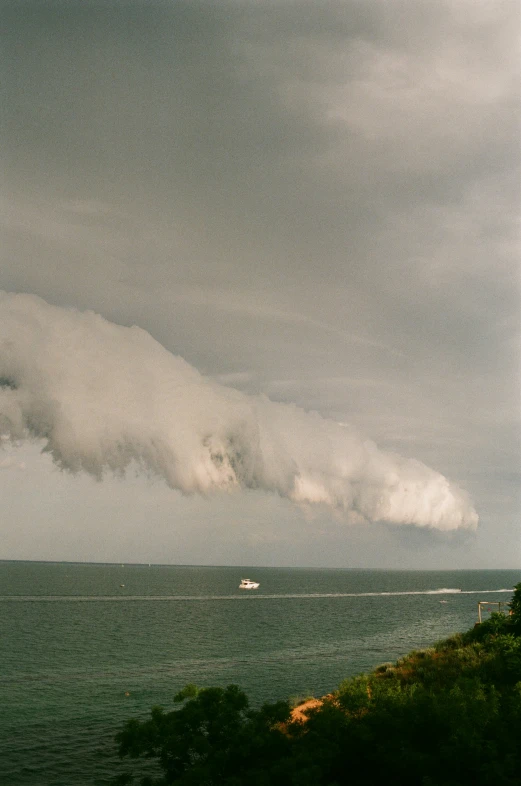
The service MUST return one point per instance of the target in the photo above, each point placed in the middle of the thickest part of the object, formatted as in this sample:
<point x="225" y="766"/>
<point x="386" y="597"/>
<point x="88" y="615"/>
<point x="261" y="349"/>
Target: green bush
<point x="515" y="609"/>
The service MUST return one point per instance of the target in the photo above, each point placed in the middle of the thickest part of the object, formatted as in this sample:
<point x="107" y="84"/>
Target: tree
<point x="515" y="609"/>
<point x="212" y="739"/>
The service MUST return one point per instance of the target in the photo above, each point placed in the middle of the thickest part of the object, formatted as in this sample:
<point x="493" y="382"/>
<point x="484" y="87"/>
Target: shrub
<point x="515" y="609"/>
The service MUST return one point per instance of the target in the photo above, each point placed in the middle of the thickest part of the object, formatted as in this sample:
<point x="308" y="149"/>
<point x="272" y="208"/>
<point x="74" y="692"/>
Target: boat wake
<point x="248" y="596"/>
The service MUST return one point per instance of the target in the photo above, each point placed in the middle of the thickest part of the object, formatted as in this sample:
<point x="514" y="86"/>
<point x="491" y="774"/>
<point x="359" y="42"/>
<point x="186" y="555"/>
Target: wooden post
<point x="482" y="603"/>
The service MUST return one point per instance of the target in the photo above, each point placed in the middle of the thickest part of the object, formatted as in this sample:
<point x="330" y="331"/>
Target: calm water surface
<point x="77" y="638"/>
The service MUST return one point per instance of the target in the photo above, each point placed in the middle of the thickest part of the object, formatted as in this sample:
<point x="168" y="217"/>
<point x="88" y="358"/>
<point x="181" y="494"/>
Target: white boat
<point x="248" y="584"/>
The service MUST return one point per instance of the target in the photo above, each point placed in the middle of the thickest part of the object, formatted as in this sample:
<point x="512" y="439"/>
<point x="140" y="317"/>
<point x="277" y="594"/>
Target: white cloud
<point x="102" y="396"/>
<point x="9" y="463"/>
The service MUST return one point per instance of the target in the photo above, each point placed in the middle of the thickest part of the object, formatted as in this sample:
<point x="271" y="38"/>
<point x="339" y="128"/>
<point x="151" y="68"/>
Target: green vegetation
<point x="446" y="716"/>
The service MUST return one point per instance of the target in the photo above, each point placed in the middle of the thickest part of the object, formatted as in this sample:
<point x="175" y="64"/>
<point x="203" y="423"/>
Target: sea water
<point x="84" y="647"/>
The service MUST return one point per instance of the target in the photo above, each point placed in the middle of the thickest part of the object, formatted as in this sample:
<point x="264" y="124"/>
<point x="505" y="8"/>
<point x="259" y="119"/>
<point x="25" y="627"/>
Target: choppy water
<point x="84" y="647"/>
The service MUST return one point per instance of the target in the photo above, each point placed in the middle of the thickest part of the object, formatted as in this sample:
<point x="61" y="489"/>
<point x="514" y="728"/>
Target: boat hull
<point x="246" y="584"/>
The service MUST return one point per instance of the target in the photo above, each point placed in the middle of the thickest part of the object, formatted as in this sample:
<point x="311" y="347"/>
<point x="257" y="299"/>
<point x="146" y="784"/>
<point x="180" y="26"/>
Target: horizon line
<point x="254" y="567"/>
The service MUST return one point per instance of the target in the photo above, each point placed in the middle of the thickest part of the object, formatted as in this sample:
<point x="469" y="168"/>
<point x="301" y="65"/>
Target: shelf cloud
<point x="103" y="397"/>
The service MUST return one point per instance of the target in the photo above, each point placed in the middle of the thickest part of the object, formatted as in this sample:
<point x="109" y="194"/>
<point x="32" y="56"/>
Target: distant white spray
<point x="102" y="396"/>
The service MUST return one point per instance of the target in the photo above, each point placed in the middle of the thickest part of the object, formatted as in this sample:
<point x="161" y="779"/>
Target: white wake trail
<point x="242" y="597"/>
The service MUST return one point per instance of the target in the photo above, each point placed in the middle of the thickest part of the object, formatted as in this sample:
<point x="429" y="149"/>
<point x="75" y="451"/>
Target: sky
<point x="260" y="285"/>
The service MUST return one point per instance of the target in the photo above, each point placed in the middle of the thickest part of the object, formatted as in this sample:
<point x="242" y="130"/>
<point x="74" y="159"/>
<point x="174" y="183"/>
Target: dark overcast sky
<point x="316" y="201"/>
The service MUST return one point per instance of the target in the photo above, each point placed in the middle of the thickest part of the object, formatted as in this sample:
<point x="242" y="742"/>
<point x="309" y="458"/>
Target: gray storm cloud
<point x="102" y="396"/>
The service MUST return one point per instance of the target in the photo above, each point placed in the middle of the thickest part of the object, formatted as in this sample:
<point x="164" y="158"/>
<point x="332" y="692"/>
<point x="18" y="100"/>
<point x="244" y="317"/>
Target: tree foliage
<point x="515" y="608"/>
<point x="447" y="716"/>
<point x="211" y="739"/>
